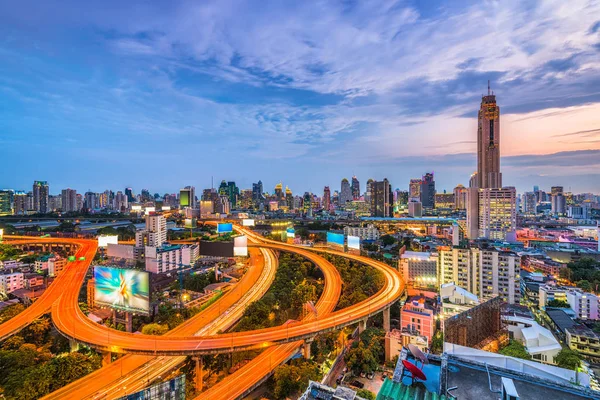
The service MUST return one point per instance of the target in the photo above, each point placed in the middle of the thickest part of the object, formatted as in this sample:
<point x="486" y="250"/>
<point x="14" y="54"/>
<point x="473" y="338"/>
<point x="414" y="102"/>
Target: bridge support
<point x="106" y="358"/>
<point x="74" y="345"/>
<point x="386" y="319"/>
<point x="362" y="325"/>
<point x="198" y="372"/>
<point x="306" y="349"/>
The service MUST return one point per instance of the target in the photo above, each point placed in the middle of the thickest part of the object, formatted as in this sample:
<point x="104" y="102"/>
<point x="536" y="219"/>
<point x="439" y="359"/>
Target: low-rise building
<point x="419" y="268"/>
<point x="369" y="232"/>
<point x="584" y="340"/>
<point x="33" y="280"/>
<point x="170" y="257"/>
<point x="10" y="280"/>
<point x="538" y="341"/>
<point x="417" y="315"/>
<point x="585" y="305"/>
<point x="396" y="339"/>
<point x="551" y="292"/>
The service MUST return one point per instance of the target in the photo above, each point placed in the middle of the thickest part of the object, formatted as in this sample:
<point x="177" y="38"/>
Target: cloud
<point x="586" y="133"/>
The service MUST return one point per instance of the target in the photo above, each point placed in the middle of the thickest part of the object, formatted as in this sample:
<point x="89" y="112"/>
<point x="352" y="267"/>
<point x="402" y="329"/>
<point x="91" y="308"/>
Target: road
<point x="133" y="372"/>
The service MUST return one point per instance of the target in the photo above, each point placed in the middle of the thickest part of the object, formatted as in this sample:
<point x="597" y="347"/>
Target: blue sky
<point x="159" y="95"/>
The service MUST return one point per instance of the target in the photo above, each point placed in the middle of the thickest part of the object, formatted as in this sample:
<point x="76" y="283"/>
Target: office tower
<point x="230" y="190"/>
<point x="129" y="194"/>
<point x="90" y="201"/>
<point x="355" y="188"/>
<point x="529" y="203"/>
<point x="289" y="198"/>
<point x="257" y="193"/>
<point x="54" y="203"/>
<point x="6" y="201"/>
<point x="145" y="196"/>
<point x="206" y="208"/>
<point x="497" y="213"/>
<point x="155" y="234"/>
<point x="187" y="197"/>
<point x="345" y="193"/>
<point x="381" y="199"/>
<point x="105" y="199"/>
<point x="222" y="204"/>
<point x="120" y="202"/>
<point x="69" y="200"/>
<point x="444" y="200"/>
<point x="415" y="209"/>
<point x="20" y="202"/>
<point x="414" y="190"/>
<point x="428" y="191"/>
<point x="41" y="191"/>
<point x="279" y="196"/>
<point x="368" y="191"/>
<point x="487" y="201"/>
<point x="558" y="200"/>
<point x="326" y="198"/>
<point x="460" y="197"/>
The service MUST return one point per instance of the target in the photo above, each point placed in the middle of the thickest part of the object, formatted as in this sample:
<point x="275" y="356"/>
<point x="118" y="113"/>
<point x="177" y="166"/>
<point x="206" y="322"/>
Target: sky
<point x="159" y="95"/>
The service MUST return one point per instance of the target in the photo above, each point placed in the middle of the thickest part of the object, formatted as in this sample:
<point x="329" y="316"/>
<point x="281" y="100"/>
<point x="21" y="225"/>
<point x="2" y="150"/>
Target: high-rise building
<point x="129" y="194"/>
<point x="558" y="200"/>
<point x="90" y="200"/>
<point x="6" y="201"/>
<point x="529" y="203"/>
<point x="230" y="190"/>
<point x="491" y="209"/>
<point x="355" y="188"/>
<point x="279" y="195"/>
<point x="345" y="193"/>
<point x="20" y="203"/>
<point x="497" y="213"/>
<point x="428" y="191"/>
<point x="460" y="197"/>
<point x="41" y="191"/>
<point x="326" y="198"/>
<point x="289" y="198"/>
<point x="414" y="190"/>
<point x="69" y="200"/>
<point x="257" y="193"/>
<point x="120" y="202"/>
<point x="155" y="234"/>
<point x="368" y="191"/>
<point x="187" y="197"/>
<point x="382" y="199"/>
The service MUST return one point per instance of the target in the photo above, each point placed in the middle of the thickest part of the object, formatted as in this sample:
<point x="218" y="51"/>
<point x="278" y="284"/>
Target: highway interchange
<point x="198" y="335"/>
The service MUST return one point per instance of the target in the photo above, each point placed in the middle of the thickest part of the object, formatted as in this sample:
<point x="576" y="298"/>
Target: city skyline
<point x="188" y="84"/>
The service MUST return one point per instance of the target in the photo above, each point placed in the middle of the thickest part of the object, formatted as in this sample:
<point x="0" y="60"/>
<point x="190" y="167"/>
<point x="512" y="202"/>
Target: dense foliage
<point x="296" y="282"/>
<point x="359" y="281"/>
<point x="584" y="272"/>
<point x="293" y="378"/>
<point x="557" y="303"/>
<point x="515" y="349"/>
<point x="8" y="252"/>
<point x="124" y="232"/>
<point x="367" y="353"/>
<point x="568" y="359"/>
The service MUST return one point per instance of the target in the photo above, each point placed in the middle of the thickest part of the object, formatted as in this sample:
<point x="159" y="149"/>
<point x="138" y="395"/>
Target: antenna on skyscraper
<point x="488" y="87"/>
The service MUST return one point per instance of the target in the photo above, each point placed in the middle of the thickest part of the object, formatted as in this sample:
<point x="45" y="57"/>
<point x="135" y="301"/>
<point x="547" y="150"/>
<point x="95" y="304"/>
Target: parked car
<point x="362" y="375"/>
<point x="358" y="384"/>
<point x="370" y="375"/>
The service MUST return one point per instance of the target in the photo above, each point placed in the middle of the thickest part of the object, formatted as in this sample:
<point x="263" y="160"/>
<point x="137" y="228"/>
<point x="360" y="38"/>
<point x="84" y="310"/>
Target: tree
<point x="558" y="303"/>
<point x="568" y="359"/>
<point x="360" y="358"/>
<point x="388" y="240"/>
<point x="292" y="378"/>
<point x="585" y="285"/>
<point x="515" y="349"/>
<point x="366" y="394"/>
<point x="10" y="312"/>
<point x="155" y="329"/>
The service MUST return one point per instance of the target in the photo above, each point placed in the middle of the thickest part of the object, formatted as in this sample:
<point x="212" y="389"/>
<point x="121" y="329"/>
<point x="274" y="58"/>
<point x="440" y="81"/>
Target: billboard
<point x="247" y="222"/>
<point x="150" y="210"/>
<point x="216" y="249"/>
<point x="166" y="208"/>
<point x="335" y="238"/>
<point x="291" y="233"/>
<point x="122" y="289"/>
<point x="136" y="208"/>
<point x="224" y="227"/>
<point x="240" y="246"/>
<point x="190" y="223"/>
<point x="120" y="251"/>
<point x="184" y="198"/>
<point x="354" y="242"/>
<point x="104" y="240"/>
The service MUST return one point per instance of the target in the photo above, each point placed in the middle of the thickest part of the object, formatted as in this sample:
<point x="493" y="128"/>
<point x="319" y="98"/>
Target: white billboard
<point x="166" y="208"/>
<point x="240" y="246"/>
<point x="104" y="240"/>
<point x="354" y="242"/>
<point x="247" y="222"/>
<point x="120" y="251"/>
<point x="136" y="208"/>
<point x="150" y="210"/>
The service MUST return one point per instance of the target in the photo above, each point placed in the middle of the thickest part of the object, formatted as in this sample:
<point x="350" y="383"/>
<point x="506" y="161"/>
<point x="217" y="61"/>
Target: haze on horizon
<point x="161" y="95"/>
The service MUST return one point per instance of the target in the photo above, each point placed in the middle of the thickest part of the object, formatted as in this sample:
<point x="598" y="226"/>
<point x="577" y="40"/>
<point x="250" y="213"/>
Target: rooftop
<point x="560" y="318"/>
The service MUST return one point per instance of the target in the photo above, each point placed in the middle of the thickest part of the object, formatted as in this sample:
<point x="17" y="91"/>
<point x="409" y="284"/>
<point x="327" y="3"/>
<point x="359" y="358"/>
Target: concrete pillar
<point x="106" y="358"/>
<point x="128" y="322"/>
<point x="198" y="371"/>
<point x="362" y="325"/>
<point x="306" y="350"/>
<point x="74" y="345"/>
<point x="386" y="319"/>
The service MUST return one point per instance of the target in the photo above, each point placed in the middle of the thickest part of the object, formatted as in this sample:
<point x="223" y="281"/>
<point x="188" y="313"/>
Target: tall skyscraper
<point x="491" y="209"/>
<point x="6" y="201"/>
<point x="69" y="200"/>
<point x="129" y="194"/>
<point x="460" y="197"/>
<point x="558" y="200"/>
<point x="20" y="203"/>
<point x="355" y="188"/>
<point x="41" y="191"/>
<point x="382" y="199"/>
<point x="230" y="190"/>
<point x="414" y="191"/>
<point x="120" y="202"/>
<point x="428" y="191"/>
<point x="529" y="203"/>
<point x="368" y="190"/>
<point x="326" y="198"/>
<point x="345" y="193"/>
<point x="289" y="198"/>
<point x="155" y="234"/>
<point x="187" y="197"/>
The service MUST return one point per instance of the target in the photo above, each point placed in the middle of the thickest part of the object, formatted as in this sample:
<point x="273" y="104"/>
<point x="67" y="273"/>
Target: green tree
<point x="10" y="311"/>
<point x="558" y="303"/>
<point x="292" y="378"/>
<point x="568" y="359"/>
<point x="515" y="349"/>
<point x="585" y="285"/>
<point x="366" y="394"/>
<point x="388" y="240"/>
<point x="359" y="358"/>
<point x="155" y="329"/>
<point x="301" y="294"/>
<point x="71" y="367"/>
